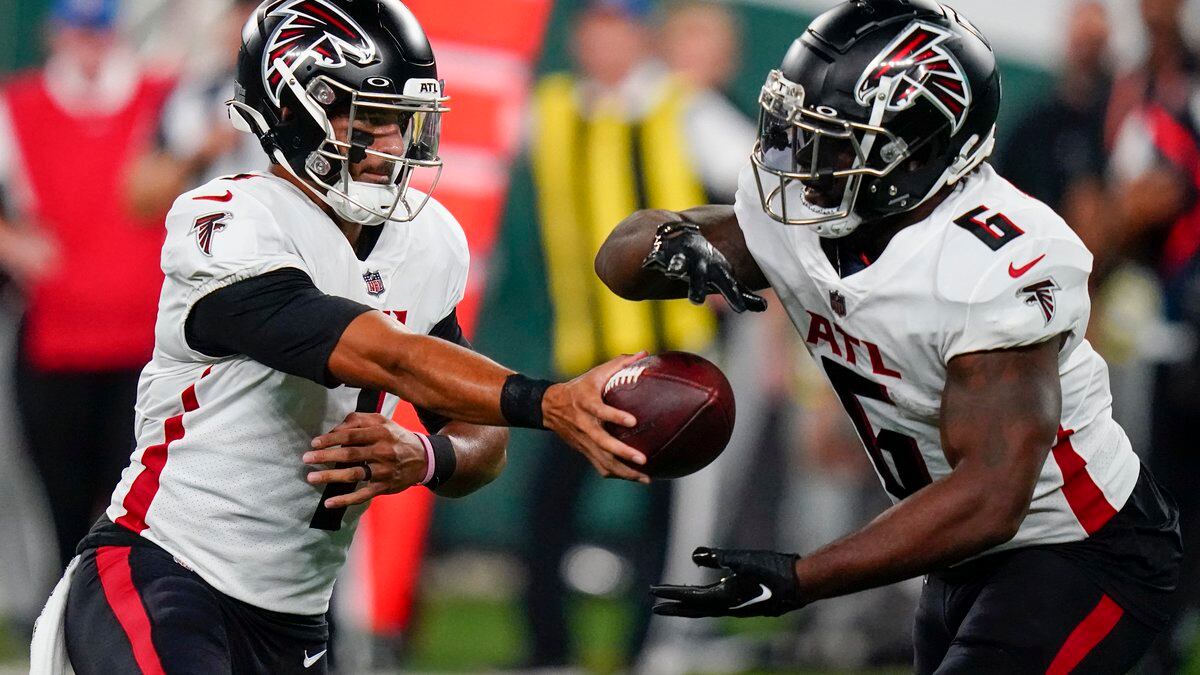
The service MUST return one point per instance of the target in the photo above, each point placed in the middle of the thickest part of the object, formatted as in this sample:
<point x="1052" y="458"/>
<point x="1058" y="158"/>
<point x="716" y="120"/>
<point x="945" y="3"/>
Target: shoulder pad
<point x="1033" y="294"/>
<point x="1029" y="240"/>
<point x="221" y="226"/>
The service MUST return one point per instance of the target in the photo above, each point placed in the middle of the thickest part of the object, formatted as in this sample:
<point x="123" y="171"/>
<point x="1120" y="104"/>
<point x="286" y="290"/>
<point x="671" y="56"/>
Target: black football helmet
<point x="304" y="62"/>
<point x="876" y="107"/>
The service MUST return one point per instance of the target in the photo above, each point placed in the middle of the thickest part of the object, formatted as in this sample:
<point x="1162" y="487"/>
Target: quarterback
<point x="948" y="311"/>
<point x="299" y="305"/>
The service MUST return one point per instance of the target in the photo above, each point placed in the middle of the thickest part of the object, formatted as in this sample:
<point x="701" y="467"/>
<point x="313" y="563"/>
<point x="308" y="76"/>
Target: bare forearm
<point x="480" y="456"/>
<point x="376" y="353"/>
<point x="940" y="525"/>
<point x="619" y="261"/>
<point x="999" y="414"/>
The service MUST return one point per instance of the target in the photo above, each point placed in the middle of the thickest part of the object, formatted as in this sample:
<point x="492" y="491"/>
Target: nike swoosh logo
<point x="762" y="597"/>
<point x="310" y="660"/>
<point x="215" y="198"/>
<point x="1015" y="272"/>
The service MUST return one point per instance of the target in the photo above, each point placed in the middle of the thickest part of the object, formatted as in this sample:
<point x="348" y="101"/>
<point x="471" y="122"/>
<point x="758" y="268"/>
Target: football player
<point x="948" y="311"/>
<point x="302" y="303"/>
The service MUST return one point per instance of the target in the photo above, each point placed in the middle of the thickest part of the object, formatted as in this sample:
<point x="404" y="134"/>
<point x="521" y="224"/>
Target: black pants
<point x="559" y="484"/>
<point x="78" y="430"/>
<point x="1094" y="606"/>
<point x="1030" y="610"/>
<point x="134" y="609"/>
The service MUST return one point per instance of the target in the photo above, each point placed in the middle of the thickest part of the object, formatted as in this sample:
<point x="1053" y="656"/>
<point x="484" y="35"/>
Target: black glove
<point x="681" y="252"/>
<point x="761" y="583"/>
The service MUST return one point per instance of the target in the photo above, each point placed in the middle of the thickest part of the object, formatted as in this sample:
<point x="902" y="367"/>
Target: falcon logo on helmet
<point x="313" y="30"/>
<point x="205" y="227"/>
<point x="922" y="66"/>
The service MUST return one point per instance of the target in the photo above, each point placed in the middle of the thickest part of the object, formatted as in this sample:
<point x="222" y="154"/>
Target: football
<point x="684" y="409"/>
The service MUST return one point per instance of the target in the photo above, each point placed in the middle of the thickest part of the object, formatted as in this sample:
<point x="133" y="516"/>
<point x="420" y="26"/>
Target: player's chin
<point x="822" y="196"/>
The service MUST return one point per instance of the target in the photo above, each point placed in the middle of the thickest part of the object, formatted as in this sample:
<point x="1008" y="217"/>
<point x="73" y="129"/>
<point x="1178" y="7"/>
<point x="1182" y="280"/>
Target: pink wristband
<point x="428" y="457"/>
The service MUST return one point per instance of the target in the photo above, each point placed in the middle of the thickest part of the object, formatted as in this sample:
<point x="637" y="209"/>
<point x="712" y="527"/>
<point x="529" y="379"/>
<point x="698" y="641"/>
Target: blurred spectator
<point x="1056" y="153"/>
<point x="195" y="141"/>
<point x="619" y="134"/>
<point x="1165" y="77"/>
<point x="88" y="268"/>
<point x="1155" y="171"/>
<point x="701" y="43"/>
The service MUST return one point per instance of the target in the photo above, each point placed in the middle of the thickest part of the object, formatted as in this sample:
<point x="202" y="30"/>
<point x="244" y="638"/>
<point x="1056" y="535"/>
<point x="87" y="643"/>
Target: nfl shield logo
<point x="838" y="302"/>
<point x="374" y="282"/>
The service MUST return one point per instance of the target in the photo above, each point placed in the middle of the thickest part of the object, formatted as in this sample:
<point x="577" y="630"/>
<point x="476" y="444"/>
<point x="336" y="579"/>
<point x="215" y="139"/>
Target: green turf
<point x="470" y="635"/>
<point x="12" y="648"/>
<point x="456" y="634"/>
<point x="602" y="627"/>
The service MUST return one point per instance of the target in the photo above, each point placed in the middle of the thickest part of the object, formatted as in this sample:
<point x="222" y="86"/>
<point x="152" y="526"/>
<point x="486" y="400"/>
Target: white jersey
<point x="216" y="478"/>
<point x="990" y="268"/>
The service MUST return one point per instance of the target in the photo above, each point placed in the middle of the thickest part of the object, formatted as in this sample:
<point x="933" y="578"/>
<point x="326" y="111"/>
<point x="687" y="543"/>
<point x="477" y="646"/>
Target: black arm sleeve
<point x="279" y="319"/>
<point x="447" y="329"/>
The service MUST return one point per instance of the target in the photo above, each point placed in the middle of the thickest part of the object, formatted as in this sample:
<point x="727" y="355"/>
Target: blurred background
<point x="566" y="116"/>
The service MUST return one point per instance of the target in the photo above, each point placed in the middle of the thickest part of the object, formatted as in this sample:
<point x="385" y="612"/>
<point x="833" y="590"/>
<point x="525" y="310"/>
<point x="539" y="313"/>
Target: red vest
<point x="95" y="310"/>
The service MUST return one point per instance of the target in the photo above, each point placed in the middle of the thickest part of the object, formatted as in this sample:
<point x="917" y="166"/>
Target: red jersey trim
<point x="1087" y="502"/>
<point x="1090" y="632"/>
<point x="154" y="459"/>
<point x="112" y="563"/>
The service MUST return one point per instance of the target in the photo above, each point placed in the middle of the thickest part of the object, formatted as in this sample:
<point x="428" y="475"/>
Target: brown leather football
<point x="684" y="409"/>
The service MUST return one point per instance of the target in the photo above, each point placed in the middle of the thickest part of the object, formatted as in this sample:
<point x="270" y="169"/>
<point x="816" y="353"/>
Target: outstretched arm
<point x="620" y="263"/>
<point x="377" y="352"/>
<point x="1000" y="414"/>
<point x="281" y="320"/>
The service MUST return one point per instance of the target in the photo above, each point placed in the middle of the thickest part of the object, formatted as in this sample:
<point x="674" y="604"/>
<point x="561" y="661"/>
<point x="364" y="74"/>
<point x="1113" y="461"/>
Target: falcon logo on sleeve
<point x="205" y="227"/>
<point x="925" y="68"/>
<point x="314" y="30"/>
<point x="1041" y="294"/>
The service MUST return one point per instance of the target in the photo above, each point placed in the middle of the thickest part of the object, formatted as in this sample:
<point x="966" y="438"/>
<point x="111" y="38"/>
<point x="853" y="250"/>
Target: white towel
<point x="48" y="651"/>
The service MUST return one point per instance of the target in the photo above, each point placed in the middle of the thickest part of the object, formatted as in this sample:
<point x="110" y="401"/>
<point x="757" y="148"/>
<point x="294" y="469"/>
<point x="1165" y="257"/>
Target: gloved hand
<point x="681" y="252"/>
<point x="760" y="583"/>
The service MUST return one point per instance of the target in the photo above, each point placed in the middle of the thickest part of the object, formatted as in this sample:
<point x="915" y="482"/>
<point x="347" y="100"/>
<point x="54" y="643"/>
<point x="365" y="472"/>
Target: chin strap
<point x="836" y="229"/>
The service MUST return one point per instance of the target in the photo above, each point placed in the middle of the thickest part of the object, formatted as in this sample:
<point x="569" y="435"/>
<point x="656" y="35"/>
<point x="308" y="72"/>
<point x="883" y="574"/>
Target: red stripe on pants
<point x="112" y="562"/>
<point x="1084" y="497"/>
<point x="1095" y="627"/>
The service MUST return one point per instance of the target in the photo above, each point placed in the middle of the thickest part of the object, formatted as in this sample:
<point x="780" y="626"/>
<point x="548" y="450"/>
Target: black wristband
<point x="444" y="460"/>
<point x="521" y="401"/>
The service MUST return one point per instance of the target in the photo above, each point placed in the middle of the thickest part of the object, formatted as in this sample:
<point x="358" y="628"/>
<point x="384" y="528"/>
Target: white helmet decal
<point x="316" y="30"/>
<point x="920" y="65"/>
